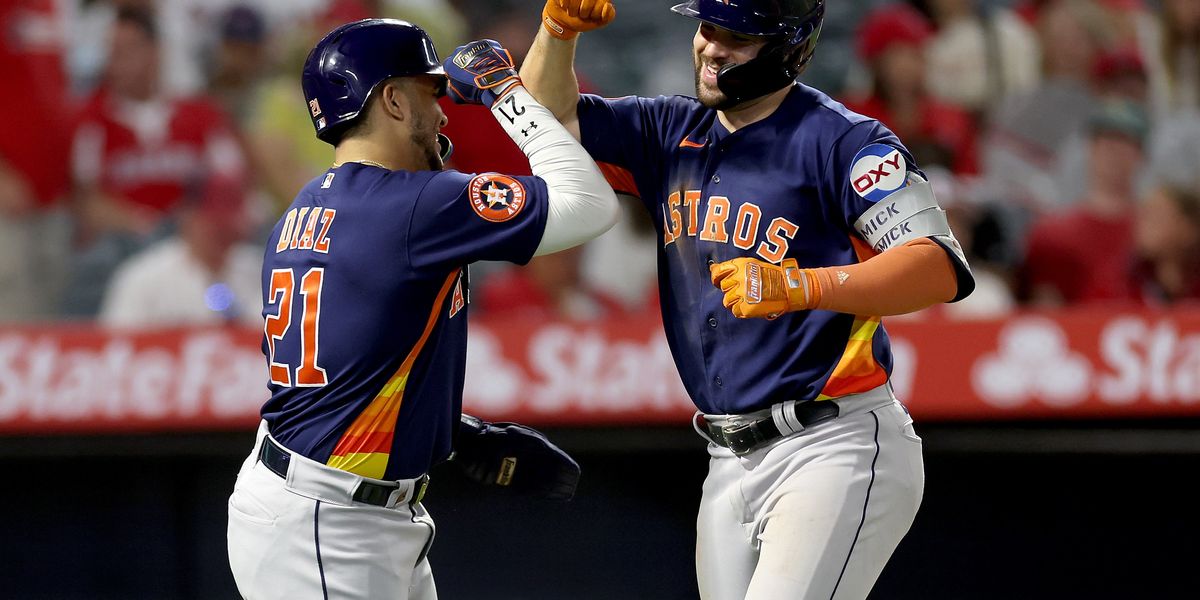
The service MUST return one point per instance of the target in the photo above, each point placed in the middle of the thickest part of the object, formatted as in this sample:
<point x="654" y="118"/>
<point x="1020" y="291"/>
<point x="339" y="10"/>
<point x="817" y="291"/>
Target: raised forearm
<point x="549" y="74"/>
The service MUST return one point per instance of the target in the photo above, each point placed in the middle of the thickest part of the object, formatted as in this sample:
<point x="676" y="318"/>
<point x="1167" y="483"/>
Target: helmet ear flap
<point x="771" y="70"/>
<point x="800" y="48"/>
<point x="779" y="62"/>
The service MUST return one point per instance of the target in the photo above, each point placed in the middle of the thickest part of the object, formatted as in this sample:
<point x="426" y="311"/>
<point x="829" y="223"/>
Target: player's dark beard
<point x="710" y="98"/>
<point x="425" y="138"/>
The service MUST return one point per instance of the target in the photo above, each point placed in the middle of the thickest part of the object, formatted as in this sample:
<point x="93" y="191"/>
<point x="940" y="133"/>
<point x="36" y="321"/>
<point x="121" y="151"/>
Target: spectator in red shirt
<point x="33" y="176"/>
<point x="1083" y="255"/>
<point x="136" y="149"/>
<point x="892" y="43"/>
<point x="135" y="153"/>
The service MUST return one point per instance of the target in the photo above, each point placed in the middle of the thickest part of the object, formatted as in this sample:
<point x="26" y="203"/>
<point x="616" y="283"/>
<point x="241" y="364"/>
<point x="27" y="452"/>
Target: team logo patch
<point x="878" y="171"/>
<point x="314" y="107"/>
<point x="496" y="198"/>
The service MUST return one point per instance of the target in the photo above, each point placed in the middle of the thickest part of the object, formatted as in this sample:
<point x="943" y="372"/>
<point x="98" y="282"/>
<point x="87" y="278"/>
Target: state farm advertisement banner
<point x="1032" y="366"/>
<point x="66" y="378"/>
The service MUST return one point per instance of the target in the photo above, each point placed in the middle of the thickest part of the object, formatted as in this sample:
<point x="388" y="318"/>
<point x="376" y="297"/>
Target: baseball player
<point x="365" y="300"/>
<point x="789" y="226"/>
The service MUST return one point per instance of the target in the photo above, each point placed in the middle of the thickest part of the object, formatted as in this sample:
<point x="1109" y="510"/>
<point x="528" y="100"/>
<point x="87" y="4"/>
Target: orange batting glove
<point x="564" y="19"/>
<point x="754" y="288"/>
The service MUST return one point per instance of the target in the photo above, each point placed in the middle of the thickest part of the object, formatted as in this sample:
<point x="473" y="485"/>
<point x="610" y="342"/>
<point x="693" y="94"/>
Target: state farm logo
<point x="1033" y="360"/>
<point x="196" y="377"/>
<point x="559" y="369"/>
<point x="878" y="171"/>
<point x="1134" y="360"/>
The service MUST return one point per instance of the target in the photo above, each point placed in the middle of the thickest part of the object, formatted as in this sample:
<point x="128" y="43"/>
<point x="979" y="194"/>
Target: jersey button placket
<point x="711" y="164"/>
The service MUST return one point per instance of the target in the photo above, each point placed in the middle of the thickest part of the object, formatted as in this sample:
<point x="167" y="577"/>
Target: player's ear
<point x="393" y="99"/>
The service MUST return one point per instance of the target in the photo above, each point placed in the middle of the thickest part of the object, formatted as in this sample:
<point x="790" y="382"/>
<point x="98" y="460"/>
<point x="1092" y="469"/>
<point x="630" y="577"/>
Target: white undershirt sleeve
<point x="582" y="205"/>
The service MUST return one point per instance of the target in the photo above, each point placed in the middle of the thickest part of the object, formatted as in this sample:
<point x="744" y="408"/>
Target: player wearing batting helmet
<point x="365" y="295"/>
<point x="789" y="226"/>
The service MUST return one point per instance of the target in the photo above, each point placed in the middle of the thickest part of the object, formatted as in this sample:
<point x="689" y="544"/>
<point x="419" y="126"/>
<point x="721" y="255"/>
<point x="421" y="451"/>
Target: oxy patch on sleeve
<point x="877" y="171"/>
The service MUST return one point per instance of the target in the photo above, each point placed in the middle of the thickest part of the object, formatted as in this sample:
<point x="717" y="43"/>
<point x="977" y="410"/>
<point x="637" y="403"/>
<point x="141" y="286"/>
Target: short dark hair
<point x="139" y="18"/>
<point x="341" y="132"/>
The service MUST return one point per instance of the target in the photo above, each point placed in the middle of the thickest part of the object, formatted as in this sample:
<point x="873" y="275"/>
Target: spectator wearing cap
<point x="892" y="43"/>
<point x="1027" y="133"/>
<point x="1117" y="74"/>
<point x="979" y="53"/>
<point x="238" y="60"/>
<point x="1167" y="247"/>
<point x="204" y="274"/>
<point x="1082" y="255"/>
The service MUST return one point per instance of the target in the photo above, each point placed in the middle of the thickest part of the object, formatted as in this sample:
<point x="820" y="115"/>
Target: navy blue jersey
<point x="789" y="186"/>
<point x="365" y="299"/>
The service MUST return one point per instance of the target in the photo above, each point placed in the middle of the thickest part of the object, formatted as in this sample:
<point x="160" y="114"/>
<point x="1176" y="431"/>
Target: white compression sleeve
<point x="582" y="205"/>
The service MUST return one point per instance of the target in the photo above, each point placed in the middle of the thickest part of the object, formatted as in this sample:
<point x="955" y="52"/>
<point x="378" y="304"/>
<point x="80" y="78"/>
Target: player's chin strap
<point x="445" y="146"/>
<point x="764" y="74"/>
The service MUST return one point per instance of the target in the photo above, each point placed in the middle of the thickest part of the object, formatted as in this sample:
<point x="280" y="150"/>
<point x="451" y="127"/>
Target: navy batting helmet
<point x="346" y="66"/>
<point x="793" y="27"/>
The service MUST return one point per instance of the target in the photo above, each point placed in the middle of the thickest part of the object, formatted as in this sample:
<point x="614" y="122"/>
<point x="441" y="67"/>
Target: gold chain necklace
<point x="369" y="163"/>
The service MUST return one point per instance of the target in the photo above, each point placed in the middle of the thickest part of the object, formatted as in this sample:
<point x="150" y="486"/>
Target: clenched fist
<point x="480" y="72"/>
<point x="754" y="288"/>
<point x="564" y="19"/>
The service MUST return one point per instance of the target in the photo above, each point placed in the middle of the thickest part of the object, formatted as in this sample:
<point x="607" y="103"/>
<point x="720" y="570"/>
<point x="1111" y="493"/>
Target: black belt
<point x="742" y="437"/>
<point x="276" y="458"/>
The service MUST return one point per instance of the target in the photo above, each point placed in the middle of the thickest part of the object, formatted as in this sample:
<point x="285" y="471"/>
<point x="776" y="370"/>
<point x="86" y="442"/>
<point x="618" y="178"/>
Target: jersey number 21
<point x="283" y="285"/>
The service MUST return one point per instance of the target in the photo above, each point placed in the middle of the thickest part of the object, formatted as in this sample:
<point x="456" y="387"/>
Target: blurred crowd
<point x="150" y="145"/>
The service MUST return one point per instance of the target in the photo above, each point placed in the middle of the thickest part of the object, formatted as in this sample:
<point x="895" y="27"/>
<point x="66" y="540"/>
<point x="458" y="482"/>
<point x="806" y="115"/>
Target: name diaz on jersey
<point x="300" y="232"/>
<point x="300" y="229"/>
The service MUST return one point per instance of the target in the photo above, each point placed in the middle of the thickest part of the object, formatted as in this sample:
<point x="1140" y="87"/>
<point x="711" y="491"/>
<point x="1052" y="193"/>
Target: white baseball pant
<point x="305" y="538"/>
<point x="815" y="514"/>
